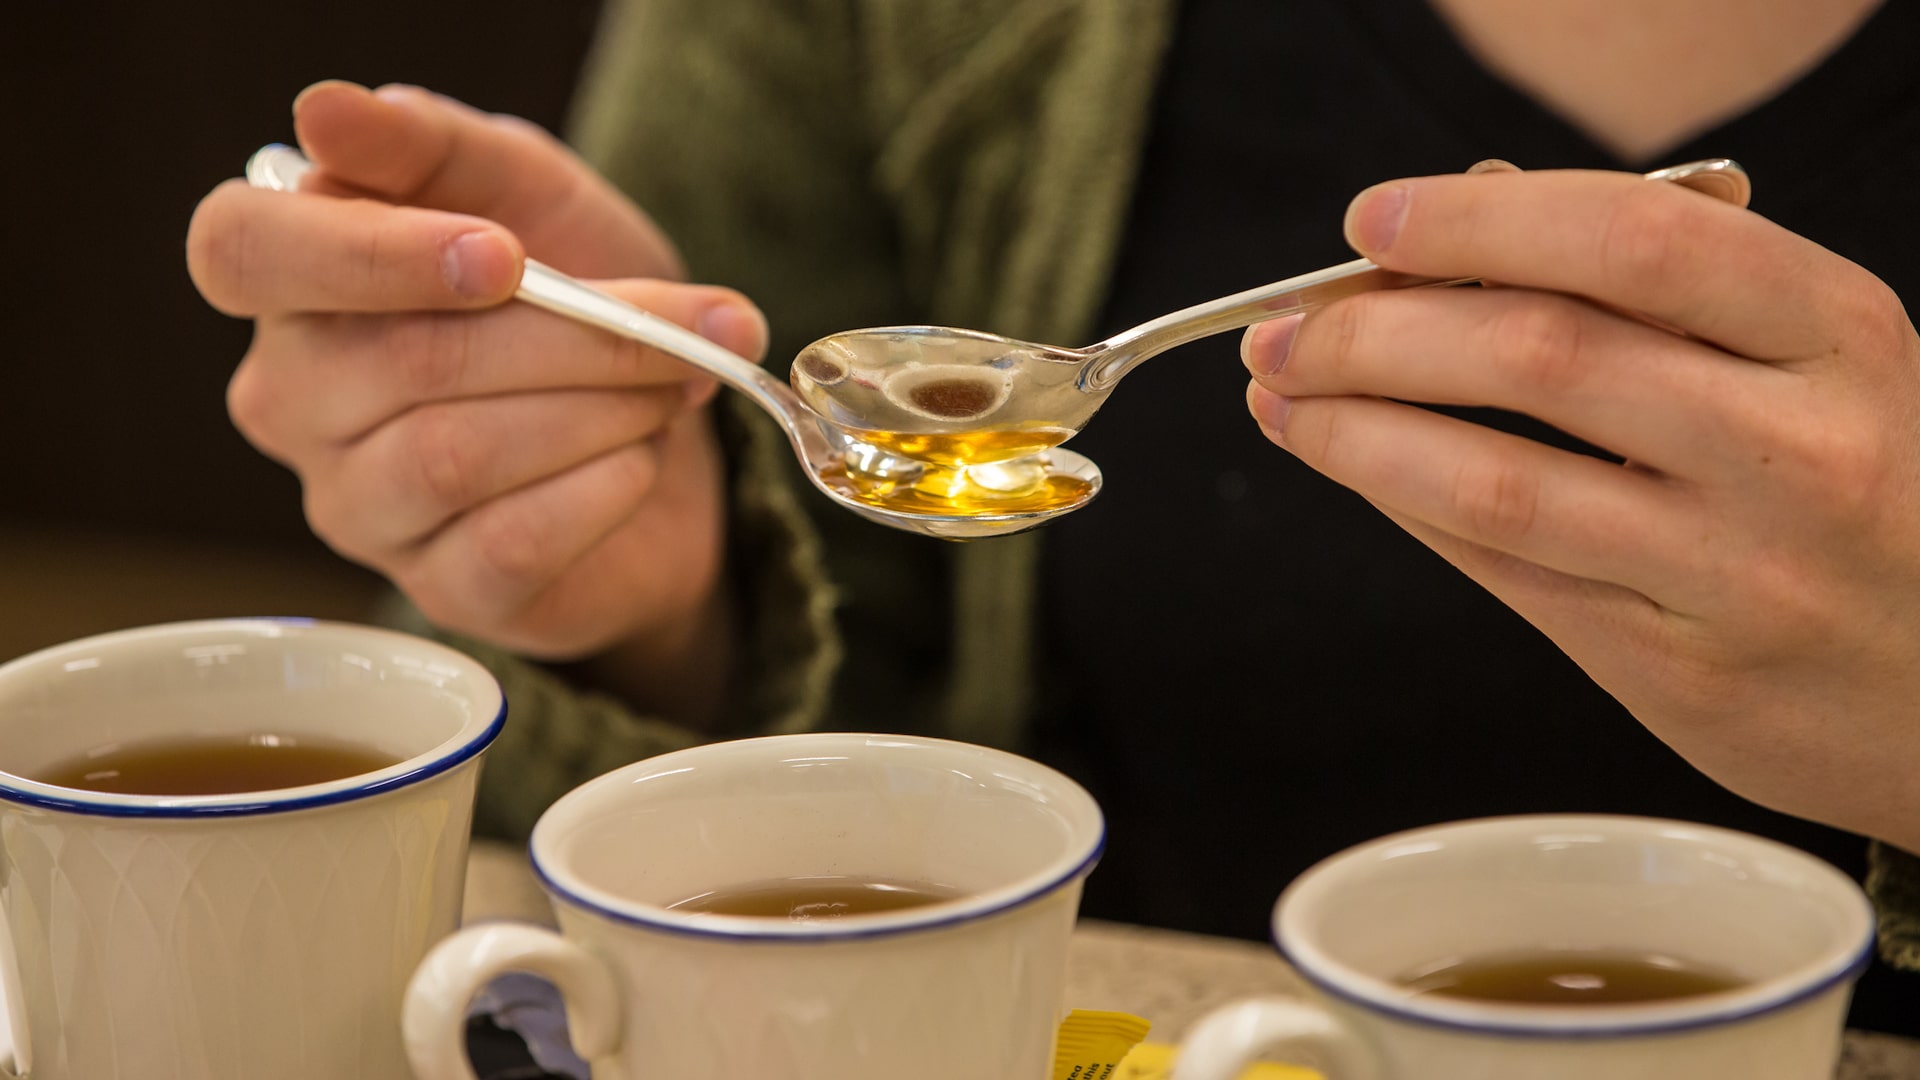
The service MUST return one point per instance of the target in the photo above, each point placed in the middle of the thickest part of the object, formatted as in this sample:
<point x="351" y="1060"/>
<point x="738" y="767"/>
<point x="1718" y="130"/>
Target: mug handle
<point x="15" y="1060"/>
<point x="433" y="1019"/>
<point x="1232" y="1037"/>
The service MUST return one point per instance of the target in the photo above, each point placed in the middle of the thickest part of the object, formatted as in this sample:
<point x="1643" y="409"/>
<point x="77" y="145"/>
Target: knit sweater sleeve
<point x="745" y="129"/>
<point x="1894" y="883"/>
<point x="558" y="735"/>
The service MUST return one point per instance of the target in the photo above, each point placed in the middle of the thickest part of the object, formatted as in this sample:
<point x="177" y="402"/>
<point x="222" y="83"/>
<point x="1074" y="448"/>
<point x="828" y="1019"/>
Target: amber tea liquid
<point x="811" y="899"/>
<point x="1551" y="977"/>
<point x="214" y="765"/>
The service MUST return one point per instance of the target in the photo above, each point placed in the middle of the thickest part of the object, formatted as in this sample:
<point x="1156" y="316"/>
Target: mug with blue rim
<point x="968" y="988"/>
<point x="1788" y="932"/>
<point x="251" y="934"/>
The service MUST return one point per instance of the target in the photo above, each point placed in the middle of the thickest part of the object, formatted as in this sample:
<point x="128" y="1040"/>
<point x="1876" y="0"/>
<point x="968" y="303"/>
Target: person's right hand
<point x="524" y="479"/>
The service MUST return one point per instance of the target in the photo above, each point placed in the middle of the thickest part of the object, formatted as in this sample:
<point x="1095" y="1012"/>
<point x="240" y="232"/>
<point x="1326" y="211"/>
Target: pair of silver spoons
<point x="879" y="409"/>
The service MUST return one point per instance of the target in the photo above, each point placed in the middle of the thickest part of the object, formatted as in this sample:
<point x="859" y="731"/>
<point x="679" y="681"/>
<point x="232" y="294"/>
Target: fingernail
<point x="398" y="93"/>
<point x="323" y="84"/>
<point x="1265" y="348"/>
<point x="1269" y="410"/>
<point x="477" y="265"/>
<point x="739" y="327"/>
<point x="1491" y="165"/>
<point x="1376" y="214"/>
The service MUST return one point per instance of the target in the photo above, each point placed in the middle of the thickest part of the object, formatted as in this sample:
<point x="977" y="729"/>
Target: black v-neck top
<point x="1251" y="667"/>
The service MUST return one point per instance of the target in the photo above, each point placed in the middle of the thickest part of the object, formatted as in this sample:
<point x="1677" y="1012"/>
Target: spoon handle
<point x="1127" y="349"/>
<point x="280" y="168"/>
<point x="544" y="287"/>
<point x="1721" y="178"/>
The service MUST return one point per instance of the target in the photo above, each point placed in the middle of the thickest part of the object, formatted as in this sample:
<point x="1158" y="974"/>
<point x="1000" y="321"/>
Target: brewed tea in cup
<point x="800" y="907"/>
<point x="224" y="845"/>
<point x="1576" y="947"/>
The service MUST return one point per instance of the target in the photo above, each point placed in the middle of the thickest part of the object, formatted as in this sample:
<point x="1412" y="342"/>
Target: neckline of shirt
<point x="1864" y="92"/>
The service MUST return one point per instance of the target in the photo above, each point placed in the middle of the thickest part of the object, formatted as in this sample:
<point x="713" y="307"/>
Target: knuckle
<point x="378" y="253"/>
<point x="1645" y="235"/>
<point x="250" y="400"/>
<point x="1498" y="502"/>
<point x="444" y="458"/>
<point x="511" y="548"/>
<point x="1848" y="469"/>
<point x="327" y="518"/>
<point x="643" y="413"/>
<point x="614" y="358"/>
<point x="1339" y="332"/>
<point x="1785" y="607"/>
<point x="1875" y="311"/>
<point x="522" y="130"/>
<point x="1536" y="343"/>
<point x="219" y="239"/>
<point x="444" y="604"/>
<point x="548" y="628"/>
<point x="398" y="253"/>
<point x="432" y="353"/>
<point x="635" y="467"/>
<point x="1886" y="310"/>
<point x="1699" y="675"/>
<point x="256" y="403"/>
<point x="1316" y="434"/>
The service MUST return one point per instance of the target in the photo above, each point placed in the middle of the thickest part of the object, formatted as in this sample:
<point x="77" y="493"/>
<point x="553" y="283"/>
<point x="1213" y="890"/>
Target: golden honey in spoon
<point x="973" y="471"/>
<point x="955" y="492"/>
<point x="967" y="447"/>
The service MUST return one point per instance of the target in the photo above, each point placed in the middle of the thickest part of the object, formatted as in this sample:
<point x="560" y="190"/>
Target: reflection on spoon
<point x="935" y="495"/>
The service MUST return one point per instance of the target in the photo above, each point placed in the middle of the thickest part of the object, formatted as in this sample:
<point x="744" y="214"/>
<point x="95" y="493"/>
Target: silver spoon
<point x="981" y="397"/>
<point x="892" y="404"/>
<point x="825" y="451"/>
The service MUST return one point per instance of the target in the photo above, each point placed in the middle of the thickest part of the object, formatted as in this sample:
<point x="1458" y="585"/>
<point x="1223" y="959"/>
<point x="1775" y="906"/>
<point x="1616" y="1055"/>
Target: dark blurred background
<point x="125" y="494"/>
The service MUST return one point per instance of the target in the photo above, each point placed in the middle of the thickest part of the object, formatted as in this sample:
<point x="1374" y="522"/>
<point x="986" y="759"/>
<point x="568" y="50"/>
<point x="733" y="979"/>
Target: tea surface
<point x="214" y="765"/>
<point x="811" y="899"/>
<point x="1569" y="978"/>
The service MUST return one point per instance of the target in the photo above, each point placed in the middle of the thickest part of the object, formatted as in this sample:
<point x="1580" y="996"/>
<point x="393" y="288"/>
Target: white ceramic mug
<point x="1796" y="931"/>
<point x="232" y="937"/>
<point x="964" y="990"/>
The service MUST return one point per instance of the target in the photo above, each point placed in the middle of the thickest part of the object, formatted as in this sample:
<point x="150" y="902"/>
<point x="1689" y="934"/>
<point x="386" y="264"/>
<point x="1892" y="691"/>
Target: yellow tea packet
<point x="1154" y="1061"/>
<point x="1092" y="1044"/>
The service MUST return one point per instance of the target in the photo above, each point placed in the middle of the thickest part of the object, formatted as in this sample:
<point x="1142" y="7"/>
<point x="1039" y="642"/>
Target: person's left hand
<point x="1748" y="582"/>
